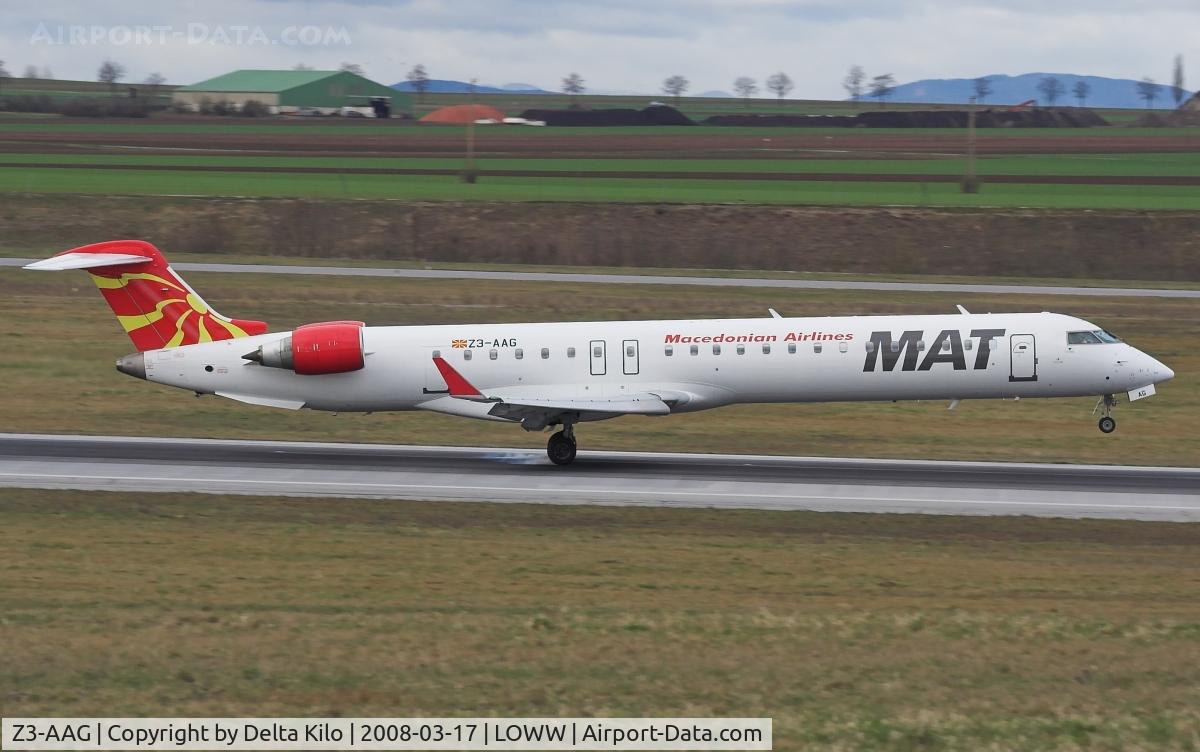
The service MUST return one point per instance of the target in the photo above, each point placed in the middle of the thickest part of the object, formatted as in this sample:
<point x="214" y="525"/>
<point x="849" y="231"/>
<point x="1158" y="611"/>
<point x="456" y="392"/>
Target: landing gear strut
<point x="561" y="446"/>
<point x="1107" y="423"/>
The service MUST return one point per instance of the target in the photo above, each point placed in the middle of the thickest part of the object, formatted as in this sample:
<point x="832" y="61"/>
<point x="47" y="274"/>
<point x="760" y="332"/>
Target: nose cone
<point x="133" y="365"/>
<point x="1162" y="372"/>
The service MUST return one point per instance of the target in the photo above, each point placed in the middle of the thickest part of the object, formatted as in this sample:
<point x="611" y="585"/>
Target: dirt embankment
<point x="1113" y="245"/>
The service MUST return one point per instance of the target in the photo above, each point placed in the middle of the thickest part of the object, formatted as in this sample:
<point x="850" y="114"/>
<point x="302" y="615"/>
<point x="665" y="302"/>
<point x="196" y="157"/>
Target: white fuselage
<point x="691" y="364"/>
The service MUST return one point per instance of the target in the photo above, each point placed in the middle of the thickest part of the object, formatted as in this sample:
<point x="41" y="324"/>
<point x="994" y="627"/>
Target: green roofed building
<point x="287" y="91"/>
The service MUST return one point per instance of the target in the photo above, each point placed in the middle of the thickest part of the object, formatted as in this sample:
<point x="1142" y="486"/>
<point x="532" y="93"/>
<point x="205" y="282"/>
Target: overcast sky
<point x="613" y="44"/>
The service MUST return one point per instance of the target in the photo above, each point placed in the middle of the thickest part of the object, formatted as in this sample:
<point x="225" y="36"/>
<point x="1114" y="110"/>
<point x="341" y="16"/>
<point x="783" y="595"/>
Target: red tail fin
<point x="154" y="305"/>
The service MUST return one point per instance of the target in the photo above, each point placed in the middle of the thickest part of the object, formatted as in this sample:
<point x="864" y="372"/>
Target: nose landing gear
<point x="1107" y="423"/>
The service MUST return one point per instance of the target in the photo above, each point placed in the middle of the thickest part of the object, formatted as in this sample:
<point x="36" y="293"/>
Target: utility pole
<point x="469" y="173"/>
<point x="970" y="182"/>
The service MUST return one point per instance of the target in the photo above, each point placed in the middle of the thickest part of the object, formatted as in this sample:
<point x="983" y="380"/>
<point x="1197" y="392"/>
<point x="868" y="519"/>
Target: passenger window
<point x="570" y="352"/>
<point x="946" y="346"/>
<point x="716" y="349"/>
<point x="741" y="349"/>
<point x="597" y="352"/>
<point x="466" y="354"/>
<point x="493" y="355"/>
<point x="520" y="353"/>
<point x="843" y="347"/>
<point x="920" y="345"/>
<point x="545" y="353"/>
<point x="895" y="346"/>
<point x="766" y="349"/>
<point x="969" y="344"/>
<point x="437" y="353"/>
<point x="629" y="351"/>
<point x="870" y="347"/>
<point x="695" y="349"/>
<point x="791" y="348"/>
<point x="816" y="347"/>
<point x="669" y="351"/>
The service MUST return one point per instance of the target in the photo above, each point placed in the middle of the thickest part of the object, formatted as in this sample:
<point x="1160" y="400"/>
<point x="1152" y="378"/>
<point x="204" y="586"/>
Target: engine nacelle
<point x="316" y="349"/>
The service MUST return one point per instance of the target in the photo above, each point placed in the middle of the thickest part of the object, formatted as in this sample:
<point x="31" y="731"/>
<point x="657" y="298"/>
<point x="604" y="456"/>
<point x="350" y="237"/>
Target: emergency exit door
<point x="598" y="357"/>
<point x="1022" y="358"/>
<point x="629" y="357"/>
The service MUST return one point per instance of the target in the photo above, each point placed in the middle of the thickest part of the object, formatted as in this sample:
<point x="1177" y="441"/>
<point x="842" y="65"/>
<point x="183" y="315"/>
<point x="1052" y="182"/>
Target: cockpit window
<point x="1095" y="337"/>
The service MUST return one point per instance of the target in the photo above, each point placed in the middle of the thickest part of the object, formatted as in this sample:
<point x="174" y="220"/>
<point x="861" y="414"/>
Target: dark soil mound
<point x="1039" y="118"/>
<point x="1176" y="119"/>
<point x="656" y="115"/>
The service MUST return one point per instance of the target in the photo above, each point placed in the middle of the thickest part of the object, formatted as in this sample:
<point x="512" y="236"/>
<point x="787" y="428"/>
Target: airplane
<point x="561" y="374"/>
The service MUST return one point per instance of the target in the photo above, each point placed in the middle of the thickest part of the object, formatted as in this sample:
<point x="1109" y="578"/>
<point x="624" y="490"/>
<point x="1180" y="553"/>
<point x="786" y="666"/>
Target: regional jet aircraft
<point x="562" y="374"/>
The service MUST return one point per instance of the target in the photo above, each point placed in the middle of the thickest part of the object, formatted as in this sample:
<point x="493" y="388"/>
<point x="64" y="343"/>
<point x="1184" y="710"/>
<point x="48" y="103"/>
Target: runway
<point x="608" y="478"/>
<point x="647" y="279"/>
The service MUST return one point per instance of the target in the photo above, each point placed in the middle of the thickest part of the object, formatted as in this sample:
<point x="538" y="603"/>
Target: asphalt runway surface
<point x="647" y="279"/>
<point x="143" y="465"/>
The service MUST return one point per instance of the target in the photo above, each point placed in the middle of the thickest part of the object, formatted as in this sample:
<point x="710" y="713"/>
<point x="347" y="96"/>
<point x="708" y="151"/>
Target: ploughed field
<point x="1098" y="168"/>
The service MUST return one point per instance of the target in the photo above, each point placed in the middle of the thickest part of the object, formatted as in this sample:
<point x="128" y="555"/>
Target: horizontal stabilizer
<point x="73" y="260"/>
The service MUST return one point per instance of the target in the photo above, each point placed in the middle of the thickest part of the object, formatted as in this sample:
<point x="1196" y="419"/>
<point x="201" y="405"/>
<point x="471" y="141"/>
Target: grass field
<point x="590" y="189"/>
<point x="184" y="157"/>
<point x="1141" y="164"/>
<point x="58" y="373"/>
<point x="854" y="632"/>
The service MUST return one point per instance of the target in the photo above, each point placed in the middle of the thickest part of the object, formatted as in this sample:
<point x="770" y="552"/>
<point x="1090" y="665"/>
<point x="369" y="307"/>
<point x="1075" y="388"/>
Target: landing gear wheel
<point x="1107" y="424"/>
<point x="561" y="449"/>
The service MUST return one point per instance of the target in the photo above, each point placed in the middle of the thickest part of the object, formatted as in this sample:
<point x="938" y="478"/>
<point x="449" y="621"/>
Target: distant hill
<point x="1106" y="92"/>
<point x="446" y="86"/>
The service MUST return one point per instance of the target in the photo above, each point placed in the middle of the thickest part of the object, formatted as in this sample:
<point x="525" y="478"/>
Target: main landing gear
<point x="1107" y="423"/>
<point x="561" y="446"/>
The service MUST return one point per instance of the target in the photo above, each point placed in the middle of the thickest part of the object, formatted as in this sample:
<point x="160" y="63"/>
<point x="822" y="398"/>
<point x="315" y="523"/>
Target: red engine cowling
<point x="316" y="349"/>
<point x="330" y="347"/>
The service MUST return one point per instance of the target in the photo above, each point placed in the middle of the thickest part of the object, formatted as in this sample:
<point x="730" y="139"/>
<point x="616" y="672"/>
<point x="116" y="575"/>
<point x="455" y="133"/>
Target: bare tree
<point x="155" y="80"/>
<point x="302" y="66"/>
<point x="110" y="73"/>
<point x="780" y="85"/>
<point x="419" y="79"/>
<point x="1081" y="89"/>
<point x="853" y="82"/>
<point x="354" y="68"/>
<point x="675" y="86"/>
<point x="1177" y="81"/>
<point x="573" y="86"/>
<point x="31" y="71"/>
<point x="1148" y="90"/>
<point x="4" y="71"/>
<point x="1051" y="89"/>
<point x="983" y="88"/>
<point x="745" y="88"/>
<point x="882" y="87"/>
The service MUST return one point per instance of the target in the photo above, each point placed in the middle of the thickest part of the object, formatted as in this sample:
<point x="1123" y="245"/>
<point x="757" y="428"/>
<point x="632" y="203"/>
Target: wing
<point x="533" y="413"/>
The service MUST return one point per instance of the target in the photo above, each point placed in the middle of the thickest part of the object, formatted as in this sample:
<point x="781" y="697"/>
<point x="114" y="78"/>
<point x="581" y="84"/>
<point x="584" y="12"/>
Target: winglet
<point x="457" y="384"/>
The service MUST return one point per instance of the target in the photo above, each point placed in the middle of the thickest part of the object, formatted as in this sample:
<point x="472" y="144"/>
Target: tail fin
<point x="154" y="305"/>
